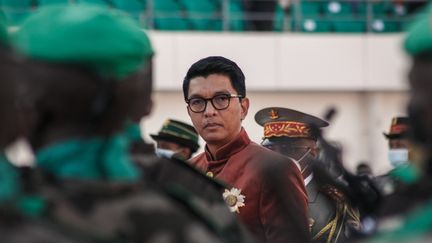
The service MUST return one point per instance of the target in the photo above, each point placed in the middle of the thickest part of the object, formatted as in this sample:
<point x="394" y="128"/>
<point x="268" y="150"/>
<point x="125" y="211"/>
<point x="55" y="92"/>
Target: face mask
<point x="164" y="153"/>
<point x="304" y="155"/>
<point x="398" y="157"/>
<point x="297" y="162"/>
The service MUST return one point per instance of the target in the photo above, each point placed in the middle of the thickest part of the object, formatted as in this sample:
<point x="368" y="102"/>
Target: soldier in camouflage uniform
<point x="409" y="210"/>
<point x="15" y="224"/>
<point x="81" y="62"/>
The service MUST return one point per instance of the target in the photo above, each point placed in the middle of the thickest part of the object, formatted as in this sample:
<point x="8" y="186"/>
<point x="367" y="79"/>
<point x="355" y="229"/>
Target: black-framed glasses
<point x="219" y="102"/>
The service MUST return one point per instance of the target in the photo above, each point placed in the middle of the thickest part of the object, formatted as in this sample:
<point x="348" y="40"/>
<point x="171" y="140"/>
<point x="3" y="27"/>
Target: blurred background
<point x="300" y="54"/>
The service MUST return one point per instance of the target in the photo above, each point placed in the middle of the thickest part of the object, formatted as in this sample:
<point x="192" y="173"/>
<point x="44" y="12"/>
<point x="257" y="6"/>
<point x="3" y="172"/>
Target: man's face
<point x="217" y="127"/>
<point x="294" y="148"/>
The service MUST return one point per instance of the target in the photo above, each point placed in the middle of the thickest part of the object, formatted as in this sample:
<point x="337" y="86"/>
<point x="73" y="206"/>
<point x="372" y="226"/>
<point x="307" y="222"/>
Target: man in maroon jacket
<point x="266" y="190"/>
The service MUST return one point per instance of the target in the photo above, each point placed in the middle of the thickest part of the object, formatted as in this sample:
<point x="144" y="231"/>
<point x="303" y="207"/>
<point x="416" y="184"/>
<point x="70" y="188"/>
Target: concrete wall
<point x="288" y="61"/>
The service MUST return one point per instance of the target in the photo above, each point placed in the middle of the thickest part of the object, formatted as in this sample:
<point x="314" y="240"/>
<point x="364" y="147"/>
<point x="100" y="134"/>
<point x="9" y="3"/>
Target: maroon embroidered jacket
<point x="275" y="201"/>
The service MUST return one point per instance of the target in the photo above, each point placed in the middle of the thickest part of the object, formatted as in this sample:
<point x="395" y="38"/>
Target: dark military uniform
<point x="201" y="194"/>
<point x="329" y="209"/>
<point x="17" y="228"/>
<point x="131" y="212"/>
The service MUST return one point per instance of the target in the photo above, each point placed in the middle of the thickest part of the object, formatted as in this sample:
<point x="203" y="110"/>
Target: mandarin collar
<point x="225" y="152"/>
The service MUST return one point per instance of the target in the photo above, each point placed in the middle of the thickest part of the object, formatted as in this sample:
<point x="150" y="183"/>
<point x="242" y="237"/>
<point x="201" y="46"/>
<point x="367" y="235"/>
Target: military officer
<point x="15" y="224"/>
<point x="288" y="132"/>
<point x="398" y="142"/>
<point x="176" y="137"/>
<point x="400" y="151"/>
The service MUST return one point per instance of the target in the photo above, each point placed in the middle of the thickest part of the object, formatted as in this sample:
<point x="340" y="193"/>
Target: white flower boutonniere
<point x="234" y="199"/>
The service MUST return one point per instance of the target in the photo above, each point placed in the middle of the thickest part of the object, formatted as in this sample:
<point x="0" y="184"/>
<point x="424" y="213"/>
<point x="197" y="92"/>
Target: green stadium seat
<point x="278" y="24"/>
<point x="343" y="17"/>
<point x="199" y="6"/>
<point x="382" y="26"/>
<point x="201" y="14"/>
<point x="338" y="8"/>
<point x="237" y="17"/>
<point x="135" y="8"/>
<point x="176" y="22"/>
<point x="310" y="25"/>
<point x="168" y="15"/>
<point x="166" y="5"/>
<point x="381" y="8"/>
<point x="309" y="8"/>
<point x="349" y="26"/>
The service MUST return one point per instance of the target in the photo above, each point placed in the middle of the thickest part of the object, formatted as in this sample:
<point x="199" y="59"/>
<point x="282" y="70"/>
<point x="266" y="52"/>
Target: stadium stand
<point x="309" y="16"/>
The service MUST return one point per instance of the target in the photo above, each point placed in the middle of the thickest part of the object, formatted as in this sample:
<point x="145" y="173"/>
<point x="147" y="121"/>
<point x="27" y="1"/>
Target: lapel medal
<point x="234" y="199"/>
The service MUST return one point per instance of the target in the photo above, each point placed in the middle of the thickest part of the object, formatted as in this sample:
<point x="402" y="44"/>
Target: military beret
<point x="103" y="40"/>
<point x="284" y="122"/>
<point x="419" y="37"/>
<point x="178" y="132"/>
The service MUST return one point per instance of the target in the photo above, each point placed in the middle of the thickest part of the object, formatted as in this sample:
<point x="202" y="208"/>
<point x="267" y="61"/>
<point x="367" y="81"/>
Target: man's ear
<point x="245" y="107"/>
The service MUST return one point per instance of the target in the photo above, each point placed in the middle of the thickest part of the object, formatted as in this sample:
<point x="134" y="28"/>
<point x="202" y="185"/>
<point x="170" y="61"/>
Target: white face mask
<point x="164" y="153"/>
<point x="398" y="157"/>
<point x="297" y="162"/>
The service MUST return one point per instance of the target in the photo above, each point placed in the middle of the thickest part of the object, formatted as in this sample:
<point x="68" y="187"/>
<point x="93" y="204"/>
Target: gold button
<point x="209" y="174"/>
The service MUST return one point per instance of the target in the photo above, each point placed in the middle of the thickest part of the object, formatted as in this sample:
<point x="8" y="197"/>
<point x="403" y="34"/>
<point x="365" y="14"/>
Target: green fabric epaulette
<point x="408" y="174"/>
<point x="133" y="131"/>
<point x="10" y="186"/>
<point x="93" y="159"/>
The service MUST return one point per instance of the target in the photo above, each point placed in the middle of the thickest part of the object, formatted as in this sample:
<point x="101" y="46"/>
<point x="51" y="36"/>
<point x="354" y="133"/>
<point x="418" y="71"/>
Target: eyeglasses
<point x="219" y="102"/>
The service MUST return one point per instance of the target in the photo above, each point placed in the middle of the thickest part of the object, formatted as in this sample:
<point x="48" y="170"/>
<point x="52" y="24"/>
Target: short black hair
<point x="216" y="65"/>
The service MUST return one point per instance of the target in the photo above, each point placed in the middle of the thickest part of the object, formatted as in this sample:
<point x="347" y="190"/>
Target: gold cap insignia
<point x="273" y="114"/>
